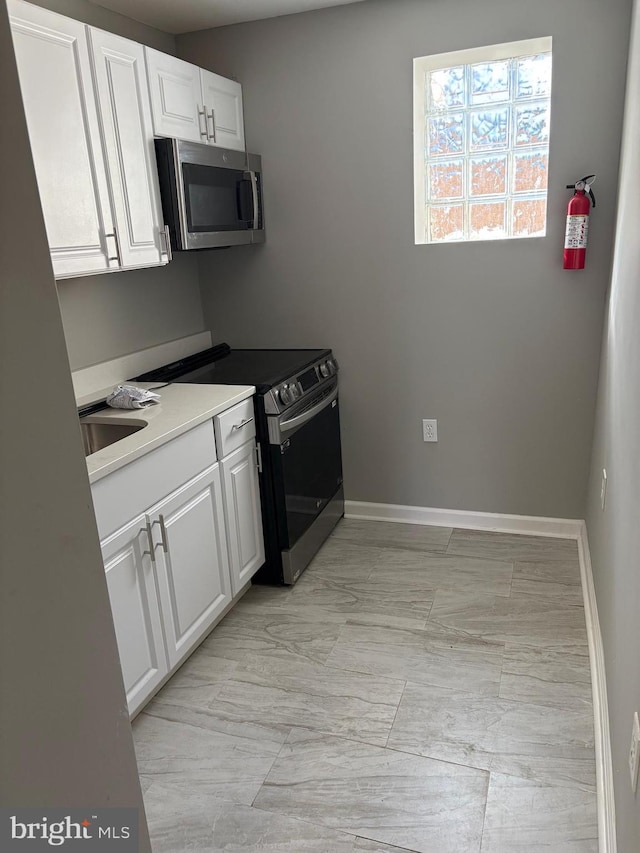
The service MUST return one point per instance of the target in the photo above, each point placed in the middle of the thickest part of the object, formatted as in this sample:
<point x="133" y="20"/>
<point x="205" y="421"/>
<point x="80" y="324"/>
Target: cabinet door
<point x="55" y="78"/>
<point x="176" y="97"/>
<point x="136" y="612"/>
<point x="242" y="514"/>
<point x="192" y="561"/>
<point x="125" y="109"/>
<point x="223" y="105"/>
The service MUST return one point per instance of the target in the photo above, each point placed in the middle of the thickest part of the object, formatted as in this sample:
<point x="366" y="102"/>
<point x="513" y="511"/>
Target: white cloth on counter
<point x="131" y="397"/>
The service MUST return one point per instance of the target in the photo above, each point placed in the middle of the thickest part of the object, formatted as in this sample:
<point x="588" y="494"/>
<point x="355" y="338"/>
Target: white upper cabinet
<point x="176" y="97"/>
<point x="94" y="102"/>
<point x="223" y="99"/>
<point x="121" y="87"/>
<point x="86" y="99"/>
<point x="191" y="103"/>
<point x="55" y="77"/>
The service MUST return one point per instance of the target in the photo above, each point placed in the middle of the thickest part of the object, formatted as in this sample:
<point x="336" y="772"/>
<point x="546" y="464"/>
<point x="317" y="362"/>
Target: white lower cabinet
<point x="243" y="515"/>
<point x="176" y="554"/>
<point x="136" y="611"/>
<point x="192" y="561"/>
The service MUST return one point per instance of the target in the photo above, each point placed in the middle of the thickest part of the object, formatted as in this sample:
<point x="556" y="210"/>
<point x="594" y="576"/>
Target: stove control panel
<point x="297" y="387"/>
<point x="288" y="393"/>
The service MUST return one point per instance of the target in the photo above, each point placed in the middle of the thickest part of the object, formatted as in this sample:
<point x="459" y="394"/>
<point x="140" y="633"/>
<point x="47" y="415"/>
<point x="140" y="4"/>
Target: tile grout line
<point x="513" y="569"/>
<point x="446" y="550"/>
<point x="275" y="758"/>
<point x="345" y="832"/>
<point x="484" y="815"/>
<point x="386" y="745"/>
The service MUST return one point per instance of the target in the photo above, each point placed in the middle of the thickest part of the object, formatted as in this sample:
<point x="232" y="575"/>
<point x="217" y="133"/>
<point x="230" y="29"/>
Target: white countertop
<point x="180" y="408"/>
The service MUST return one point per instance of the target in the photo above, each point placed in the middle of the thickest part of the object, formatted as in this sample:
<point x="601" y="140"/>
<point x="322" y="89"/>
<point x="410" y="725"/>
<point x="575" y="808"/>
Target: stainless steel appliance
<point x="298" y="430"/>
<point x="211" y="197"/>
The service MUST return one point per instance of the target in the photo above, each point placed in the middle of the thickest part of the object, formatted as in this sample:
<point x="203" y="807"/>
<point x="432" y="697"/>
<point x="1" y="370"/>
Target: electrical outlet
<point x="634" y="752"/>
<point x="603" y="488"/>
<point x="429" y="430"/>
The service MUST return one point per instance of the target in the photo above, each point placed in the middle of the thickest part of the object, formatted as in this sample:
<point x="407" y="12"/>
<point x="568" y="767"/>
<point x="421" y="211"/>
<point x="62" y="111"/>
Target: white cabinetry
<point x="223" y="99"/>
<point x="176" y="97"/>
<point x="191" y="103"/>
<point x="136" y="610"/>
<point x="121" y="87"/>
<point x="242" y="513"/>
<point x="99" y="215"/>
<point x="192" y="561"/>
<point x="177" y="545"/>
<point x="235" y="439"/>
<point x="55" y="78"/>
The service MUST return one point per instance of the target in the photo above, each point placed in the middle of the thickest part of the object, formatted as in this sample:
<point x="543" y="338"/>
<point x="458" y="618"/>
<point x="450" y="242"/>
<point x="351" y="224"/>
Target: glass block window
<point x="481" y="154"/>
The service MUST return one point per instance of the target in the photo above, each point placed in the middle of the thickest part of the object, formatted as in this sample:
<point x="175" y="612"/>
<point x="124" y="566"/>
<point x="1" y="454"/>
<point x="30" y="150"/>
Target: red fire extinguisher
<point x="575" y="237"/>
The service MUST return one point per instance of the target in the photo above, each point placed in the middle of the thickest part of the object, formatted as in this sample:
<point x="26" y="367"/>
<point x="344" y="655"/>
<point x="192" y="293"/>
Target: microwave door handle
<point x="251" y="176"/>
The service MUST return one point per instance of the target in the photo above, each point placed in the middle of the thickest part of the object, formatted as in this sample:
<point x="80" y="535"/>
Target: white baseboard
<point x="604" y="762"/>
<point x="565" y="528"/>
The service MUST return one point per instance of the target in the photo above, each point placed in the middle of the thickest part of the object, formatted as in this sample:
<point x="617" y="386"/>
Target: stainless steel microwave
<point x="211" y="197"/>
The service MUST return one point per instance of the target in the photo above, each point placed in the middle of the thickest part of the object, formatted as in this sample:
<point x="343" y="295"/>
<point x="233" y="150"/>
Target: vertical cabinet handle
<point x="212" y="135"/>
<point x="164" y="235"/>
<point x="149" y="532"/>
<point x="203" y="112"/>
<point x="118" y="254"/>
<point x="163" y="533"/>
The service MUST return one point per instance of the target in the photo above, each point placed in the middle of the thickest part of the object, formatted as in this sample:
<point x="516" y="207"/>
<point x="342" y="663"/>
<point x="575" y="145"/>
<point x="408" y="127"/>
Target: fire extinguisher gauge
<point x="585" y="184"/>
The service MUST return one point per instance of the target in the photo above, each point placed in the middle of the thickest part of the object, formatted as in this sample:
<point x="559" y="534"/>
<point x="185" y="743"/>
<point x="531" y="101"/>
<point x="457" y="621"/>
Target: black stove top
<point x="263" y="368"/>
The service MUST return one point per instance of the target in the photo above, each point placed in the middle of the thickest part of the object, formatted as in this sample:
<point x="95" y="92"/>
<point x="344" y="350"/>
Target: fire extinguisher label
<point x="576" y="234"/>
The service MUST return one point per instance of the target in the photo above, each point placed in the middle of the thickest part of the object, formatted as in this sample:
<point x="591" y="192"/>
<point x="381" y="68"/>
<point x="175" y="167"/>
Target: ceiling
<point x="183" y="16"/>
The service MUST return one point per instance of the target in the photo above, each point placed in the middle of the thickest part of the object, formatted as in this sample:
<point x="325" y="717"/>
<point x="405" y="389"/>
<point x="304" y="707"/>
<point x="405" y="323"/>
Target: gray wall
<point x="106" y="316"/>
<point x="98" y="16"/>
<point x="65" y="737"/>
<point x="614" y="535"/>
<point x="493" y="339"/>
<point x="116" y="313"/>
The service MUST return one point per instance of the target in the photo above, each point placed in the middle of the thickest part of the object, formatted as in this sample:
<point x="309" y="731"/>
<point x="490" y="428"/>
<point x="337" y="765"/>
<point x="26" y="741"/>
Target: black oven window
<point x="311" y="469"/>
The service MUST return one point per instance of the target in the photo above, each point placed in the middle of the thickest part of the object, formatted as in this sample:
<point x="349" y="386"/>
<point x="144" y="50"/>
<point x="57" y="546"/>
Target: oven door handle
<point x="305" y="417"/>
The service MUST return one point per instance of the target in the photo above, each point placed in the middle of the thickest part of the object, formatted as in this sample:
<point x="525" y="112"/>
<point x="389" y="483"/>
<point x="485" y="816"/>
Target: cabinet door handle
<point x="118" y="255"/>
<point x="163" y="533"/>
<point x="258" y="457"/>
<point x="151" y="552"/>
<point x="205" y="132"/>
<point x="241" y="424"/>
<point x="212" y="135"/>
<point x="164" y="235"/>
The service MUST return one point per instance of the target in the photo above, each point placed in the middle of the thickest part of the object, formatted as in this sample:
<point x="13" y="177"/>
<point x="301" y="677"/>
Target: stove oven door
<point x="307" y="461"/>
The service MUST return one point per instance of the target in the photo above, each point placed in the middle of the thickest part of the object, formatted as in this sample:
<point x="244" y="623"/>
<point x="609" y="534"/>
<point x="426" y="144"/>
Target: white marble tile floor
<point x="420" y="689"/>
